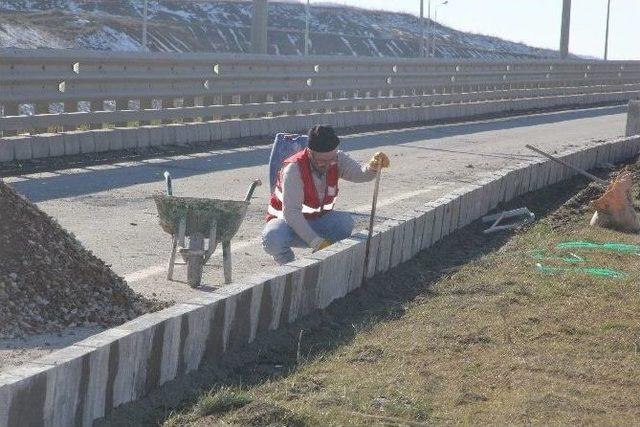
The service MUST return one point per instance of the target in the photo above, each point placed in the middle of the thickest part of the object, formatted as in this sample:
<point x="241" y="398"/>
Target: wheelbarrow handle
<point x="252" y="188"/>
<point x="167" y="179"/>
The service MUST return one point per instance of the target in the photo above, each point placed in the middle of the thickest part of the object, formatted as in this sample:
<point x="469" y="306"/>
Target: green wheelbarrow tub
<point x="200" y="213"/>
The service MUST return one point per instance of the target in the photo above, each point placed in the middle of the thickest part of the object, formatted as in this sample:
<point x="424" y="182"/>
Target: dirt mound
<point x="48" y="281"/>
<point x="575" y="207"/>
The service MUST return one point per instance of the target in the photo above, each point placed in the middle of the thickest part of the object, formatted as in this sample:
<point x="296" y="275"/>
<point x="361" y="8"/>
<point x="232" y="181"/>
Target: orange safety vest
<point x="312" y="207"/>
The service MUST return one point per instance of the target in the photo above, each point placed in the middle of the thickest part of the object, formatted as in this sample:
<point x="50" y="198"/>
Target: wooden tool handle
<point x="371" y="219"/>
<point x="567" y="165"/>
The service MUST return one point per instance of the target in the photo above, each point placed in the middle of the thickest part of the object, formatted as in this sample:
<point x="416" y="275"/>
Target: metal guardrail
<point x="55" y="90"/>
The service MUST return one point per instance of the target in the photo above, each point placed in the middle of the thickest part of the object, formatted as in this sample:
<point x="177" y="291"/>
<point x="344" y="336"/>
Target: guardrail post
<point x="146" y="104"/>
<point x="166" y="103"/>
<point x="70" y="107"/>
<point x="10" y="109"/>
<point x="41" y="108"/>
<point x="121" y="104"/>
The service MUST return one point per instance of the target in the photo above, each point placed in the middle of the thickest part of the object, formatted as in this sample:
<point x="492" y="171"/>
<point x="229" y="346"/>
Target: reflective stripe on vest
<point x="305" y="209"/>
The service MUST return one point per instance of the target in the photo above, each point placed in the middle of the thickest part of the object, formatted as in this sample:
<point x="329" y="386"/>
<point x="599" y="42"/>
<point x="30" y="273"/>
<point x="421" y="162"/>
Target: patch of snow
<point x="235" y="38"/>
<point x="294" y="41"/>
<point x="222" y="36"/>
<point x="373" y="47"/>
<point x="379" y="33"/>
<point x="394" y="48"/>
<point x="25" y="37"/>
<point x="346" y="42"/>
<point x="108" y="38"/>
<point x="162" y="47"/>
<point x="177" y="40"/>
<point x="181" y="14"/>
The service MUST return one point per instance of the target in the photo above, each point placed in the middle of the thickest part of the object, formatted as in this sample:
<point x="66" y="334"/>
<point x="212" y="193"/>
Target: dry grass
<point x="497" y="342"/>
<point x="214" y="402"/>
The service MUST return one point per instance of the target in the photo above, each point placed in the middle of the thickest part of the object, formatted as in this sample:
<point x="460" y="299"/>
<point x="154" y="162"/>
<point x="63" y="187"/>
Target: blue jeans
<point x="278" y="238"/>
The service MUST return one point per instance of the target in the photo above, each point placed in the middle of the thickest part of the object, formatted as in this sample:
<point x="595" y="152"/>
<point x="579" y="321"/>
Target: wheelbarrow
<point x="200" y="219"/>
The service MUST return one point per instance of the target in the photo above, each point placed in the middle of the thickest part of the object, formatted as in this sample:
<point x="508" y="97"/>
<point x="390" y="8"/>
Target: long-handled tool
<point x="567" y="165"/>
<point x="373" y="215"/>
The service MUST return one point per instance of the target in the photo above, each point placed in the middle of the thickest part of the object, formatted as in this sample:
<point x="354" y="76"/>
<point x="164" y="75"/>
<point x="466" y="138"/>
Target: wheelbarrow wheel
<point x="195" y="260"/>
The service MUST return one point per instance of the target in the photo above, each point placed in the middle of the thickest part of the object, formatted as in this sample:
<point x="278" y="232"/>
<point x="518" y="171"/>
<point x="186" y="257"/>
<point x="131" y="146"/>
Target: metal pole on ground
<point x="567" y="165"/>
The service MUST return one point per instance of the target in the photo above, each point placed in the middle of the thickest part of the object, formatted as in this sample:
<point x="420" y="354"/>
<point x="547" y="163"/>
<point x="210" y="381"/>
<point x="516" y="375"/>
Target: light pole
<point x="435" y="19"/>
<point x="144" y="27"/>
<point x="564" y="29"/>
<point x="306" y="29"/>
<point x="424" y="43"/>
<point x="421" y="52"/>
<point x="259" y="20"/>
<point x="606" y="35"/>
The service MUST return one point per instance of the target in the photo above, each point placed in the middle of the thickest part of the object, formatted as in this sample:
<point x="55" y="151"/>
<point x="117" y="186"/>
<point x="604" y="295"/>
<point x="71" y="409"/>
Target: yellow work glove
<point x="322" y="245"/>
<point x="379" y="160"/>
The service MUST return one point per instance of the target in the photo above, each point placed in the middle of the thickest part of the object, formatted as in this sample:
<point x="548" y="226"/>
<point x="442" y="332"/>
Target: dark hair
<point x="323" y="138"/>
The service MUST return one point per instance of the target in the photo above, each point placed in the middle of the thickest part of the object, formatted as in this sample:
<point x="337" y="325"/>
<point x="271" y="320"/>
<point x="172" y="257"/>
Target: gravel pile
<point x="48" y="281"/>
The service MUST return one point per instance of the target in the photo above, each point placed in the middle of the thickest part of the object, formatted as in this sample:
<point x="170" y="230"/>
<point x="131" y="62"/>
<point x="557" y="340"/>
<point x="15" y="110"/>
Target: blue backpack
<point x="285" y="145"/>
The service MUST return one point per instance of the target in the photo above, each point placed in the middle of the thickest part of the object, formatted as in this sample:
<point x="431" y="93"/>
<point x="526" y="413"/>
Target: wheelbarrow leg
<point x="195" y="258"/>
<point x="174" y="246"/>
<point x="226" y="261"/>
<point x="212" y="241"/>
<point x="181" y="232"/>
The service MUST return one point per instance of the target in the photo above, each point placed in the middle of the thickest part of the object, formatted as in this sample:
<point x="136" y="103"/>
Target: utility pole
<point x="606" y="35"/>
<point x="306" y="29"/>
<point x="427" y="48"/>
<point x="421" y="52"/>
<point x="564" y="31"/>
<point x="144" y="27"/>
<point x="433" y="24"/>
<point x="259" y="17"/>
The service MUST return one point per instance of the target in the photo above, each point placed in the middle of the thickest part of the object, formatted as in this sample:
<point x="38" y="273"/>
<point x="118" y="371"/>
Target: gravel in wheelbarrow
<point x="200" y="213"/>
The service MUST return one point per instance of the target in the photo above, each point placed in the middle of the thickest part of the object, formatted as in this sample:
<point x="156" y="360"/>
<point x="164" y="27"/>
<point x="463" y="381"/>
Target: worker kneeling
<point x="300" y="212"/>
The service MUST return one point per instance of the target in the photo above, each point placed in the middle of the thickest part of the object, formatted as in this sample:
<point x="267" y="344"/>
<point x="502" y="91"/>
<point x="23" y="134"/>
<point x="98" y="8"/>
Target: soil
<point x="49" y="282"/>
<point x="384" y="298"/>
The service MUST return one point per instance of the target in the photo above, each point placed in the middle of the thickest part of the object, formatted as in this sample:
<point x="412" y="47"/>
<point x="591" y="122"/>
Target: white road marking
<point x="145" y="273"/>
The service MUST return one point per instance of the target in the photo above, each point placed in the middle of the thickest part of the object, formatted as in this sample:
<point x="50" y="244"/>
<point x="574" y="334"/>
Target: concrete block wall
<point x="140" y="138"/>
<point x="85" y="381"/>
<point x="633" y="118"/>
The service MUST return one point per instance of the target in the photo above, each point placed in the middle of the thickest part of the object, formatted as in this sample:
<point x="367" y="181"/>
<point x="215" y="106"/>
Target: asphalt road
<point x="109" y="207"/>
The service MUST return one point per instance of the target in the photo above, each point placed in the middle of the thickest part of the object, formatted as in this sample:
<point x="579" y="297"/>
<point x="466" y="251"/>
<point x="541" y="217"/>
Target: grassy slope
<point x="494" y="342"/>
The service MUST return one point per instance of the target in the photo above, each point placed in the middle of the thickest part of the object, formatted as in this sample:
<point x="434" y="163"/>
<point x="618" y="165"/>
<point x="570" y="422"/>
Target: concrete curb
<point x="139" y="138"/>
<point x="85" y="381"/>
